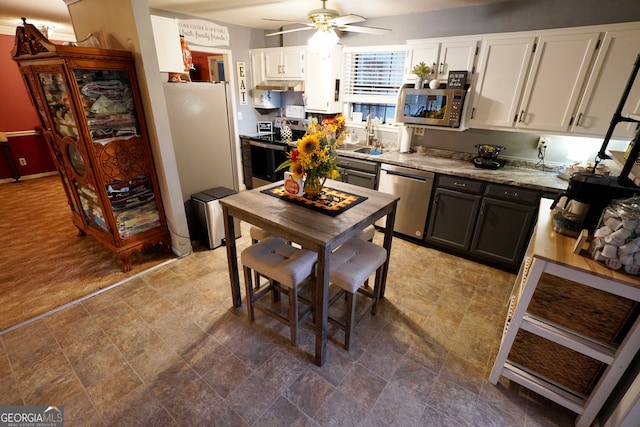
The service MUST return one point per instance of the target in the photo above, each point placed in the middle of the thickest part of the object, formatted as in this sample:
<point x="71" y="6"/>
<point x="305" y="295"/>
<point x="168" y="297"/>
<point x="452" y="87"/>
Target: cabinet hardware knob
<point x="521" y="119"/>
<point x="579" y="119"/>
<point x="514" y="194"/>
<point x="460" y="184"/>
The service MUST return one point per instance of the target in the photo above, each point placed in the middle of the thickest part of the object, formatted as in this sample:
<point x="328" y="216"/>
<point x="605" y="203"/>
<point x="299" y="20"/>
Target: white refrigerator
<point x="203" y="139"/>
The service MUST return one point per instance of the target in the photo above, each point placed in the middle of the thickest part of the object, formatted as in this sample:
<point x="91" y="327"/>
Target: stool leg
<point x="376" y="290"/>
<point x="351" y="315"/>
<point x="249" y="289"/>
<point x="275" y="294"/>
<point x="293" y="315"/>
<point x="256" y="275"/>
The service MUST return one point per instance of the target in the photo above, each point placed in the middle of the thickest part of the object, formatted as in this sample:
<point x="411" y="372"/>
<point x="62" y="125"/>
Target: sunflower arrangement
<point x="315" y="156"/>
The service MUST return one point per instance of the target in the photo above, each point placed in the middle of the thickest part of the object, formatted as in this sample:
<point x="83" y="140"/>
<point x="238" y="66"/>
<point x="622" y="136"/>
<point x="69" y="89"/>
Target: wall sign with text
<point x="203" y="33"/>
<point x="457" y="79"/>
<point x="242" y="83"/>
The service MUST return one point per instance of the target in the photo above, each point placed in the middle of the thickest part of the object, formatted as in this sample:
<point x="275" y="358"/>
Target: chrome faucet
<point x="370" y="130"/>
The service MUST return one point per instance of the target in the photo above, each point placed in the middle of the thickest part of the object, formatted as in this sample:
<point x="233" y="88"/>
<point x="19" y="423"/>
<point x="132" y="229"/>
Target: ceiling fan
<point x="328" y="20"/>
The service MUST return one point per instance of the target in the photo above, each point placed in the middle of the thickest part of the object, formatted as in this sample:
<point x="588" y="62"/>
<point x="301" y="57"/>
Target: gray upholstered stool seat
<point x="286" y="268"/>
<point x="367" y="233"/>
<point x="351" y="265"/>
<point x="258" y="234"/>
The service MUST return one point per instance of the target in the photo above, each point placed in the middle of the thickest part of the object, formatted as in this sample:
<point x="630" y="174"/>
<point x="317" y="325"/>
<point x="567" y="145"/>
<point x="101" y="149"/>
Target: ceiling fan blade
<point x="367" y="30"/>
<point x="346" y="19"/>
<point x="291" y="31"/>
<point x="285" y="20"/>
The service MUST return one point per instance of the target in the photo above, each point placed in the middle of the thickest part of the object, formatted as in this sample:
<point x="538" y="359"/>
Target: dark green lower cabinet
<point x="488" y="222"/>
<point x="502" y="231"/>
<point x="452" y="219"/>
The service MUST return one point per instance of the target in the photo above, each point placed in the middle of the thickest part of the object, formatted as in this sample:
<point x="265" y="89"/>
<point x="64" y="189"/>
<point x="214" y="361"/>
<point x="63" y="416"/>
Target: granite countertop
<point x="515" y="172"/>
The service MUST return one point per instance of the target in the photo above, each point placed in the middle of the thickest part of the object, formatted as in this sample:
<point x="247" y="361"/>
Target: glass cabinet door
<point x="91" y="206"/>
<point x="110" y="110"/>
<point x="59" y="103"/>
<point x="108" y="104"/>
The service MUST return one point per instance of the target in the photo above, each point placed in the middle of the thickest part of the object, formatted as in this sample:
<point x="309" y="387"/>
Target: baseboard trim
<point x="33" y="176"/>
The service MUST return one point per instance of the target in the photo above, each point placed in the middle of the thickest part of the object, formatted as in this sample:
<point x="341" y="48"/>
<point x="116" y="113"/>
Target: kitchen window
<point x="373" y="77"/>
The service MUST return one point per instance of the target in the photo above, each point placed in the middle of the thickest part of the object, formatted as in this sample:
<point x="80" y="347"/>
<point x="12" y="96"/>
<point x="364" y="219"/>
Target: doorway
<point x="208" y="67"/>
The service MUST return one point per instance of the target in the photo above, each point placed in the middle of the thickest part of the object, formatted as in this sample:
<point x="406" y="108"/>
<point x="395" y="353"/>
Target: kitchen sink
<point x="349" y="146"/>
<point x="367" y="150"/>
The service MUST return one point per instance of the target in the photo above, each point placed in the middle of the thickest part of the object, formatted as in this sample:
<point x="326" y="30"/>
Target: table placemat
<point x="330" y="201"/>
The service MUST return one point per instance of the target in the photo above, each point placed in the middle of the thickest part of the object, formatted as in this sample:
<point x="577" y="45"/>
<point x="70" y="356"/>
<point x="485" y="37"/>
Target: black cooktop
<point x="275" y="137"/>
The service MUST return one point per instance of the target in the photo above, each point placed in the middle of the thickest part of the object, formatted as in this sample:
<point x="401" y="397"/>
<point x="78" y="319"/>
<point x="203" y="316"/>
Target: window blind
<point x="373" y="77"/>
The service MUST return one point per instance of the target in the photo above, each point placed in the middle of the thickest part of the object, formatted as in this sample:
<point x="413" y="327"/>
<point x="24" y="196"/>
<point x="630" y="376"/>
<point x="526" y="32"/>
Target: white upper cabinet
<point x="532" y="81"/>
<point x="607" y="81"/>
<point x="502" y="70"/>
<point x="323" y="78"/>
<point x="442" y="55"/>
<point x="257" y="66"/>
<point x="558" y="71"/>
<point x="166" y="35"/>
<point x="284" y="63"/>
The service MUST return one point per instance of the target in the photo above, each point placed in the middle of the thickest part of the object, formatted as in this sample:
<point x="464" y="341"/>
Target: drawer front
<point x="513" y="194"/>
<point x="363" y="165"/>
<point x="460" y="184"/>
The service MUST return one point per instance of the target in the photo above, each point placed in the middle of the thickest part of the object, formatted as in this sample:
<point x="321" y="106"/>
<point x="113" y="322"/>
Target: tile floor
<point x="167" y="348"/>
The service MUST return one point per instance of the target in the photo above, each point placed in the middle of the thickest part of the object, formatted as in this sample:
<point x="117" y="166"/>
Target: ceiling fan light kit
<point x="325" y="22"/>
<point x="323" y="39"/>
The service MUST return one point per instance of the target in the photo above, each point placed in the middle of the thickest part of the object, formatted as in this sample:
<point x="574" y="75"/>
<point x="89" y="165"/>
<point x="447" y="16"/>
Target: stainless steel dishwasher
<point x="414" y="188"/>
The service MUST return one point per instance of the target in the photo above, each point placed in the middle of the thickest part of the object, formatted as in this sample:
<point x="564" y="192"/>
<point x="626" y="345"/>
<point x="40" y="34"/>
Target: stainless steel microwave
<point x="432" y="107"/>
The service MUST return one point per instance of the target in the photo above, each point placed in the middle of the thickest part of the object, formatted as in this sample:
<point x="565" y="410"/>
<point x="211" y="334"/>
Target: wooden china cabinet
<point x="89" y="105"/>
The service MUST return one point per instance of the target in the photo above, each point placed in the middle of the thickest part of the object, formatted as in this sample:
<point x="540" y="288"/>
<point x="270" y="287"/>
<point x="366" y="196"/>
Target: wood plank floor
<point x="44" y="263"/>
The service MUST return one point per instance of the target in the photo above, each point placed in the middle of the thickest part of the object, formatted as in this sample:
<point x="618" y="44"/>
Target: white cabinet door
<point x="323" y="77"/>
<point x="284" y="63"/>
<point x="456" y="56"/>
<point x="605" y="86"/>
<point x="166" y="35"/>
<point x="559" y="69"/>
<point x="273" y="67"/>
<point x="423" y="52"/>
<point x="293" y="65"/>
<point x="257" y="76"/>
<point x="502" y="70"/>
<point x="442" y="56"/>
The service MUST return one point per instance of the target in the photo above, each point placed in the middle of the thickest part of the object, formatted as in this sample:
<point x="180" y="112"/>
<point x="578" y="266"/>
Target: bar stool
<point x="367" y="233"/>
<point x="286" y="268"/>
<point x="351" y="265"/>
<point x="258" y="234"/>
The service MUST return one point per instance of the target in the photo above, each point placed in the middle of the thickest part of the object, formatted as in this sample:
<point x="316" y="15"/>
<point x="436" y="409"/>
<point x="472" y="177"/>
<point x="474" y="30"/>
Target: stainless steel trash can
<point x="208" y="215"/>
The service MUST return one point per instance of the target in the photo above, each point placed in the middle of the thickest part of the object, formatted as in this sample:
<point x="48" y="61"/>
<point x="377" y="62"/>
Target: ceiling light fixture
<point x="323" y="39"/>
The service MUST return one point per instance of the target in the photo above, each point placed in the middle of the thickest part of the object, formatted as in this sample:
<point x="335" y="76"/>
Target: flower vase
<point x="419" y="82"/>
<point x="313" y="186"/>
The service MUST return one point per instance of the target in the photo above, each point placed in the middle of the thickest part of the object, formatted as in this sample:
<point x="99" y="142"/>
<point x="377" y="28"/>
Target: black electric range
<point x="276" y="137"/>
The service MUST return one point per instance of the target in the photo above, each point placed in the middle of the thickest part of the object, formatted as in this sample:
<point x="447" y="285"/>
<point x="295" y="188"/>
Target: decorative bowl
<point x="488" y="151"/>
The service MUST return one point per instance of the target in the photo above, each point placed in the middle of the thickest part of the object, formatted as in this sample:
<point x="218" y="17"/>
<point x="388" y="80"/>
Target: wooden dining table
<point x="311" y="229"/>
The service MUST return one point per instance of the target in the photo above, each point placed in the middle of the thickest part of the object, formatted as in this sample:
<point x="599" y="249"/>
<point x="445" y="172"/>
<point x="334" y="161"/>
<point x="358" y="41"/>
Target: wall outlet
<point x="418" y="131"/>
<point x="543" y="142"/>
<point x="22" y="161"/>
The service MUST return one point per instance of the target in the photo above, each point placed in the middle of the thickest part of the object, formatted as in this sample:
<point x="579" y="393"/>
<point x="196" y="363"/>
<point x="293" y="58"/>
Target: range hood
<point x="281" y="85"/>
